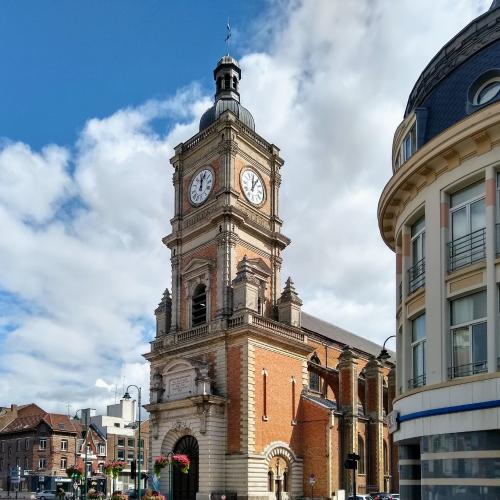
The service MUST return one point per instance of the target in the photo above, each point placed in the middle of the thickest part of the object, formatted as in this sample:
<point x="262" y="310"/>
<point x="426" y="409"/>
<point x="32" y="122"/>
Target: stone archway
<point x="284" y="472"/>
<point x="175" y="441"/>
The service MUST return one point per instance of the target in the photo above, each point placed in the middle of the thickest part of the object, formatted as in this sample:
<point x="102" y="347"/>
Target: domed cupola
<point x="227" y="77"/>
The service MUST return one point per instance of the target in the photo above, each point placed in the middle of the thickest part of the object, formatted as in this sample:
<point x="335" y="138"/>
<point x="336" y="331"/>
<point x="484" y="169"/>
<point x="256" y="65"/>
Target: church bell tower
<point x="226" y="183"/>
<point x="225" y="302"/>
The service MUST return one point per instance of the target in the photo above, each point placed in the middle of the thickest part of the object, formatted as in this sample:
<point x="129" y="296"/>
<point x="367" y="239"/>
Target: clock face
<point x="200" y="187"/>
<point x="252" y="186"/>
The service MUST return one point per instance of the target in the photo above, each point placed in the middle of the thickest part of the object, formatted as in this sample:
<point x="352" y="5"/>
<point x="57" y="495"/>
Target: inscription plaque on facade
<point x="180" y="385"/>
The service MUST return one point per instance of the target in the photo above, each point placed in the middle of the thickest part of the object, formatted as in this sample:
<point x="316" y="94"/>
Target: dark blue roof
<point x="222" y="105"/>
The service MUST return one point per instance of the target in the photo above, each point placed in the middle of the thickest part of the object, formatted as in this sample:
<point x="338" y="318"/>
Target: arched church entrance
<point x="185" y="486"/>
<point x="279" y="477"/>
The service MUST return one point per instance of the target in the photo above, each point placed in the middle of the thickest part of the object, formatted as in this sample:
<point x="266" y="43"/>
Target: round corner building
<point x="440" y="214"/>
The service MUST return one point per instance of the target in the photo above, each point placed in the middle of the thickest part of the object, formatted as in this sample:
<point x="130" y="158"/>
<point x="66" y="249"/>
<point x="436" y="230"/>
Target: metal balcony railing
<point x="416" y="382"/>
<point x="467" y="249"/>
<point x="416" y="276"/>
<point x="467" y="369"/>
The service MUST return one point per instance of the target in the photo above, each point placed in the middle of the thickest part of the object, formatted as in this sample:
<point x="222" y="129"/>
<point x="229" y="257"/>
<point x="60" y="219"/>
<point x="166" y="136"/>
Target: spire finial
<point x="228" y="35"/>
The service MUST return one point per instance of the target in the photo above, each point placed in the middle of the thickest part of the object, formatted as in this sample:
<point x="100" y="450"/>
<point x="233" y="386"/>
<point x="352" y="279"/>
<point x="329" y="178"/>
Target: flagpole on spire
<point x="228" y="35"/>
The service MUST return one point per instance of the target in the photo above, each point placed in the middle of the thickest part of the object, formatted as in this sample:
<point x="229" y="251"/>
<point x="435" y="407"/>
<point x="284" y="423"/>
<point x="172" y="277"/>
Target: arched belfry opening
<point x="199" y="306"/>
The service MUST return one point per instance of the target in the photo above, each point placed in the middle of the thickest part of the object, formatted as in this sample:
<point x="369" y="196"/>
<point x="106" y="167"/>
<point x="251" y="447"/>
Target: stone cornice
<point x="464" y="140"/>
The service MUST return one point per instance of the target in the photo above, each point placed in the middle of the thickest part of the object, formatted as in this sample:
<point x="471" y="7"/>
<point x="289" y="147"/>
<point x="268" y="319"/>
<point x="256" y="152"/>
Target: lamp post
<point x="127" y="397"/>
<point x="384" y="355"/>
<point x="87" y="423"/>
<point x="170" y="454"/>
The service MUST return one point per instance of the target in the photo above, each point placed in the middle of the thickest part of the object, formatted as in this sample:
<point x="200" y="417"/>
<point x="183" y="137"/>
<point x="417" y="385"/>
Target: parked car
<point x="394" y="496"/>
<point x="360" y="496"/>
<point x="132" y="494"/>
<point x="381" y="496"/>
<point x="46" y="495"/>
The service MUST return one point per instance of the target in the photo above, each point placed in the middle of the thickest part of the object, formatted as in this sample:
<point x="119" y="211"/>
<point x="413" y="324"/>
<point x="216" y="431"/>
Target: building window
<point x="89" y="450"/>
<point x="101" y="468"/>
<point x="18" y="462"/>
<point x="408" y="147"/>
<point x="64" y="444"/>
<point x="1" y="464"/>
<point x="416" y="273"/>
<point x="468" y="335"/>
<point x="468" y="227"/>
<point x="361" y="453"/>
<point x="314" y="383"/>
<point x="121" y="441"/>
<point x="43" y="444"/>
<point x="18" y="445"/>
<point x="131" y="443"/>
<point x="26" y="463"/>
<point x="89" y="468"/>
<point x="130" y="457"/>
<point x="102" y="449"/>
<point x="26" y="444"/>
<point x="64" y="462"/>
<point x="116" y="424"/>
<point x="2" y="446"/>
<point x="199" y="306"/>
<point x="418" y="338"/>
<point x="121" y="454"/>
<point x="42" y="463"/>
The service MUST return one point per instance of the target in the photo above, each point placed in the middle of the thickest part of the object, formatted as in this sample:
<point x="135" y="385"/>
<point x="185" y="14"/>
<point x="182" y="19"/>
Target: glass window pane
<point x="467" y="194"/>
<point x="461" y="346"/>
<point x="468" y="308"/>
<point x="413" y="135"/>
<point x="477" y="215"/>
<point x="479" y="343"/>
<point x="418" y="360"/>
<point x="418" y="226"/>
<point x="418" y="328"/>
<point x="479" y="305"/>
<point x="459" y="226"/>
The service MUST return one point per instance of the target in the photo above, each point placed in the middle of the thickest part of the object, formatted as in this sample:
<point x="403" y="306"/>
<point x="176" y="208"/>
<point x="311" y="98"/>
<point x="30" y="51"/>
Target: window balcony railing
<point x="416" y="276"/>
<point x="468" y="369"/>
<point x="419" y="381"/>
<point x="467" y="249"/>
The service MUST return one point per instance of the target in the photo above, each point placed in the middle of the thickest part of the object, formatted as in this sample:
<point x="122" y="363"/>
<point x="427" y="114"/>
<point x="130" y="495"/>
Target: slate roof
<point x="341" y="336"/>
<point x="323" y="402"/>
<point x="56" y="421"/>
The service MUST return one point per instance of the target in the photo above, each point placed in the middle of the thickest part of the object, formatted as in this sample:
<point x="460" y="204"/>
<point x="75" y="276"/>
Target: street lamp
<point x="87" y="423"/>
<point x="127" y="397"/>
<point x="384" y="355"/>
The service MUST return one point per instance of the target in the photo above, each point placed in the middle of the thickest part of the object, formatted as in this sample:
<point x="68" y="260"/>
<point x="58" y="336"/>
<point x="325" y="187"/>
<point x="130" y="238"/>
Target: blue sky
<point x="95" y="94"/>
<point x="66" y="61"/>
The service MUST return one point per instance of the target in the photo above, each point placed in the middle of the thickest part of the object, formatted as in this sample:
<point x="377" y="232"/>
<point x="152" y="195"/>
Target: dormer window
<point x="227" y="81"/>
<point x="408" y="147"/>
<point x="199" y="306"/>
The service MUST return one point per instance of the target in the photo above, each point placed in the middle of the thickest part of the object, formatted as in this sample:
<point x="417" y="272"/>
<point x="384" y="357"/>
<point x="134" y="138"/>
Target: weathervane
<point x="228" y="35"/>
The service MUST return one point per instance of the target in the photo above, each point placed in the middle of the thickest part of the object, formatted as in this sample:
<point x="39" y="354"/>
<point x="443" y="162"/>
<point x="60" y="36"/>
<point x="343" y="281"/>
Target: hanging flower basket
<point x="75" y="472"/>
<point x="179" y="461"/>
<point x="114" y="468"/>
<point x="94" y="495"/>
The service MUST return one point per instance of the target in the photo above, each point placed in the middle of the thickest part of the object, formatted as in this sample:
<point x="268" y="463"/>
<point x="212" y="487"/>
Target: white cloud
<point x="84" y="255"/>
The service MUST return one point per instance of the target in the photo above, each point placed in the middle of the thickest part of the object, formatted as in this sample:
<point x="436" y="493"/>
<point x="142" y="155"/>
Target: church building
<point x="266" y="400"/>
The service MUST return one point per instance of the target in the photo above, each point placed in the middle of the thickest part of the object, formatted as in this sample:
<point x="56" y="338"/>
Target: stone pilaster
<point x="348" y="392"/>
<point x="374" y="407"/>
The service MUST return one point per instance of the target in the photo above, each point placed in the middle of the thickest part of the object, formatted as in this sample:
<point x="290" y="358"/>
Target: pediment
<point x="259" y="267"/>
<point x="197" y="264"/>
